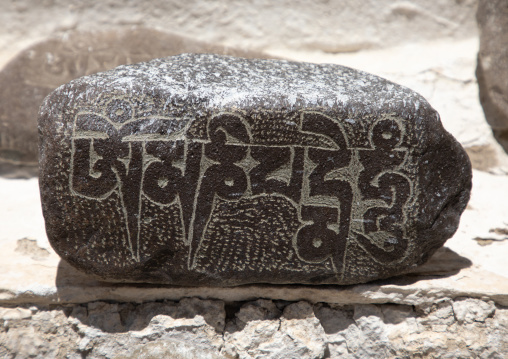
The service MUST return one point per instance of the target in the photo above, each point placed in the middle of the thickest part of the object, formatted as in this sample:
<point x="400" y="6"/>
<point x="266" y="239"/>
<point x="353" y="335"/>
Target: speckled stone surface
<point x="204" y="169"/>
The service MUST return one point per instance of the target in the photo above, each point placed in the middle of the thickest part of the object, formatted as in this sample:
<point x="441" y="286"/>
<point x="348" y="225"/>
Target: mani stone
<point x="34" y="73"/>
<point x="215" y="170"/>
<point x="492" y="67"/>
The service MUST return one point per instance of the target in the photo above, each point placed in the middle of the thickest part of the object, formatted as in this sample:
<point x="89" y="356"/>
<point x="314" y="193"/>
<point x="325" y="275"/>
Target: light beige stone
<point x="332" y="26"/>
<point x="168" y="349"/>
<point x="259" y="330"/>
<point x="268" y="329"/>
<point x="15" y="313"/>
<point x="472" y="310"/>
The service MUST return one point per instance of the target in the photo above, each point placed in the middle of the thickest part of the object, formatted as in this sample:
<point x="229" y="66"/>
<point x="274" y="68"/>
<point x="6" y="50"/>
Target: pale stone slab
<point x="53" y="283"/>
<point x="34" y="273"/>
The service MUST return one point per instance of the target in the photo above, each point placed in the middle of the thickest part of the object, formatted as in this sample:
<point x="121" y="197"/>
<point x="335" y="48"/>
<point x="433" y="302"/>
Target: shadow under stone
<point x="118" y="316"/>
<point x="186" y="314"/>
<point x="444" y="263"/>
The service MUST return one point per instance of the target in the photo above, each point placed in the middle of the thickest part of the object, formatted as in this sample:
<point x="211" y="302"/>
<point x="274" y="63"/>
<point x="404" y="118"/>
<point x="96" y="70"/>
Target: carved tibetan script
<point x="340" y="192"/>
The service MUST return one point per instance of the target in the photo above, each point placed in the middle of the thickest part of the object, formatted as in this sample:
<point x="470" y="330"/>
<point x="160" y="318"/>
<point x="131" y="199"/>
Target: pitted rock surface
<point x="492" y="69"/>
<point x="206" y="169"/>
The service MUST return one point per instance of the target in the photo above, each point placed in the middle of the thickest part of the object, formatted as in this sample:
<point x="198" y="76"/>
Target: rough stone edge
<point x="342" y="295"/>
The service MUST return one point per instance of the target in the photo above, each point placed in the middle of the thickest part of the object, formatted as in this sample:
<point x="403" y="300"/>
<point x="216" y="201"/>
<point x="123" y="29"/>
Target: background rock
<point x="332" y="26"/>
<point x="492" y="69"/>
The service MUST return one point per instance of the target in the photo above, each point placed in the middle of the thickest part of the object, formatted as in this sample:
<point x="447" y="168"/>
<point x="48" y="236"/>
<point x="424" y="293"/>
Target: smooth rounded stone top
<point x="215" y="170"/>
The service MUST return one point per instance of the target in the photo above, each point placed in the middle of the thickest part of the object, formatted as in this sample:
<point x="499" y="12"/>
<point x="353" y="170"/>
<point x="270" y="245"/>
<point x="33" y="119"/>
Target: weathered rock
<point x="470" y="310"/>
<point x="170" y="349"/>
<point x="492" y="69"/>
<point x="35" y="72"/>
<point x="259" y="328"/>
<point x="256" y="330"/>
<point x="201" y="169"/>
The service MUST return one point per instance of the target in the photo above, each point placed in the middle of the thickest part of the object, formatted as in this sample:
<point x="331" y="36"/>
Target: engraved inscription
<point x="221" y="174"/>
<point x="341" y="193"/>
<point x="388" y="190"/>
<point x="326" y="205"/>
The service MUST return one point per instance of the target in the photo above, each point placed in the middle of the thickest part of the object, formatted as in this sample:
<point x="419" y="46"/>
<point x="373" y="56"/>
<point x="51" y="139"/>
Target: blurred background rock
<point x="326" y="25"/>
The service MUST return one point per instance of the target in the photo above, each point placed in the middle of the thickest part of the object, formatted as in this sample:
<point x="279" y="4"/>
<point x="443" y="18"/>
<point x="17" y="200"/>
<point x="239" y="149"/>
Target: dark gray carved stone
<point x="35" y="72"/>
<point x="210" y="170"/>
<point x="492" y="68"/>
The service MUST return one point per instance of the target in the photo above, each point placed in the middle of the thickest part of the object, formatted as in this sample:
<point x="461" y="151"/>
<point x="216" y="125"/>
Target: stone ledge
<point x="55" y="282"/>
